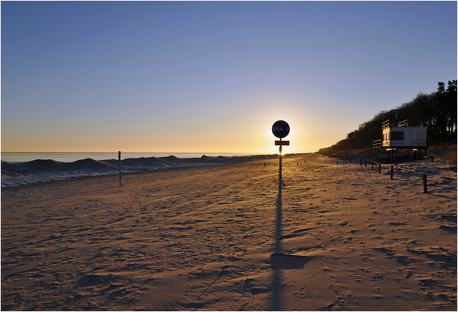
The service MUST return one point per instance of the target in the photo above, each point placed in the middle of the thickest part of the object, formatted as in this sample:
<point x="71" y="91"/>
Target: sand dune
<point x="226" y="237"/>
<point x="48" y="170"/>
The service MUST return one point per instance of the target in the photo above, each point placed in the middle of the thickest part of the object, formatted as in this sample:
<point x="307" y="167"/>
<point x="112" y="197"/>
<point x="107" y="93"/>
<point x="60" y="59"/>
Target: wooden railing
<point x="377" y="144"/>
<point x="386" y="124"/>
<point x="423" y="174"/>
<point x="403" y="123"/>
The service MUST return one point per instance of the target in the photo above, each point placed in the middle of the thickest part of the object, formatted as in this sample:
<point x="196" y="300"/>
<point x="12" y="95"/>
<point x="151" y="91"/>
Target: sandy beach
<point x="202" y="238"/>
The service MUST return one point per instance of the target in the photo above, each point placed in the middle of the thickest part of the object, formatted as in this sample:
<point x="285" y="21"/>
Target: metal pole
<point x="280" y="177"/>
<point x="119" y="163"/>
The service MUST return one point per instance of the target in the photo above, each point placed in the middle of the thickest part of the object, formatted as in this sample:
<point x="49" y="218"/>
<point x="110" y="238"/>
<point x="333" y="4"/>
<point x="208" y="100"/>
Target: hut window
<point x="397" y="136"/>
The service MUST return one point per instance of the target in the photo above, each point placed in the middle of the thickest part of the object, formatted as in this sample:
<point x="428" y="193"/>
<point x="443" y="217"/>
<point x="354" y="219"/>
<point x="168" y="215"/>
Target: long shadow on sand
<point x="277" y="275"/>
<point x="280" y="261"/>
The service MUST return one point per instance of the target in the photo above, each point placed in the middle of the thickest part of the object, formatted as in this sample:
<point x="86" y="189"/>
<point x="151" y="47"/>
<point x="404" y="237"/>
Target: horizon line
<point x="156" y="152"/>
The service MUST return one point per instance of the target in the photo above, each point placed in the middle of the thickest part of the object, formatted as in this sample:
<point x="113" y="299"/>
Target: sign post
<point x="280" y="171"/>
<point x="280" y="129"/>
<point x="119" y="167"/>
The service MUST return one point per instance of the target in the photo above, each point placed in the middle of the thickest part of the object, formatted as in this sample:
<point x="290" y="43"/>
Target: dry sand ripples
<point x="203" y="238"/>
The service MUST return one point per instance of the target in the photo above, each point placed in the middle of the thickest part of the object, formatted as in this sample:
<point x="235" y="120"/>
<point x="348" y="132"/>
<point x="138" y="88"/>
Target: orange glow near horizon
<point x="252" y="135"/>
<point x="258" y="140"/>
<point x="268" y="148"/>
<point x="246" y="129"/>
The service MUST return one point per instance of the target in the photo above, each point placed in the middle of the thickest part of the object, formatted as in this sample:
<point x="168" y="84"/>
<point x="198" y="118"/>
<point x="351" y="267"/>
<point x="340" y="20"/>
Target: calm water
<point x="67" y="157"/>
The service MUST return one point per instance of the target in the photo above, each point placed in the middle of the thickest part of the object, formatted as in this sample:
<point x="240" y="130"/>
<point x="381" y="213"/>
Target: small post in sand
<point x="119" y="165"/>
<point x="365" y="163"/>
<point x="360" y="162"/>
<point x="379" y="168"/>
<point x="425" y="183"/>
<point x="372" y="165"/>
<point x="391" y="173"/>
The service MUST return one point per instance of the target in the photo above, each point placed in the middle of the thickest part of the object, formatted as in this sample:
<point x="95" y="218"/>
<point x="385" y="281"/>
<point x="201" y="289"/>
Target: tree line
<point x="436" y="110"/>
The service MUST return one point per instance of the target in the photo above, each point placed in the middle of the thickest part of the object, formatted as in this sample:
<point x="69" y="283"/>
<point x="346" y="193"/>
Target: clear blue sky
<point x="212" y="77"/>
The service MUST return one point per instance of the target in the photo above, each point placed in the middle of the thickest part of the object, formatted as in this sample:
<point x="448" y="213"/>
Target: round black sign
<point x="280" y="129"/>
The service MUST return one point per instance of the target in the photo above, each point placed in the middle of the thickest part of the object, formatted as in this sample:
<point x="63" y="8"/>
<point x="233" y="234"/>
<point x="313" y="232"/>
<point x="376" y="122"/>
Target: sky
<point x="209" y="76"/>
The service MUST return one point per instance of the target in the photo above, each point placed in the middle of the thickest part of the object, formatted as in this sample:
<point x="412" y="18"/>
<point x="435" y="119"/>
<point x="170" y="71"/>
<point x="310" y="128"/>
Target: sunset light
<point x="228" y="155"/>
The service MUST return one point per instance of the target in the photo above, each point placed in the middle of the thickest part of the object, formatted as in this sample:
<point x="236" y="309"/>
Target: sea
<point x="73" y="156"/>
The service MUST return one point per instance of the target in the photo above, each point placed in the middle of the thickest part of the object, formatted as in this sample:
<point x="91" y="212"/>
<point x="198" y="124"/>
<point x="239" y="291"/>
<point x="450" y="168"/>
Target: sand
<point x="346" y="238"/>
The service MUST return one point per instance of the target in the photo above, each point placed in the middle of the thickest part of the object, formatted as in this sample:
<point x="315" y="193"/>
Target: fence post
<point x="365" y="163"/>
<point x="360" y="162"/>
<point x="372" y="166"/>
<point x="432" y="158"/>
<point x="119" y="163"/>
<point x="425" y="183"/>
<point x="391" y="173"/>
<point x="379" y="168"/>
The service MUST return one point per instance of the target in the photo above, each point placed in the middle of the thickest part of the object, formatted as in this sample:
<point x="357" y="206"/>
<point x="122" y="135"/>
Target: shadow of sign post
<point x="277" y="278"/>
<point x="278" y="260"/>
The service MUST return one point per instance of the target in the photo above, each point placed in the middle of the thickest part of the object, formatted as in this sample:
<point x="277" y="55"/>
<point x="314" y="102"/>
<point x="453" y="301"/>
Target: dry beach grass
<point x="202" y="238"/>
